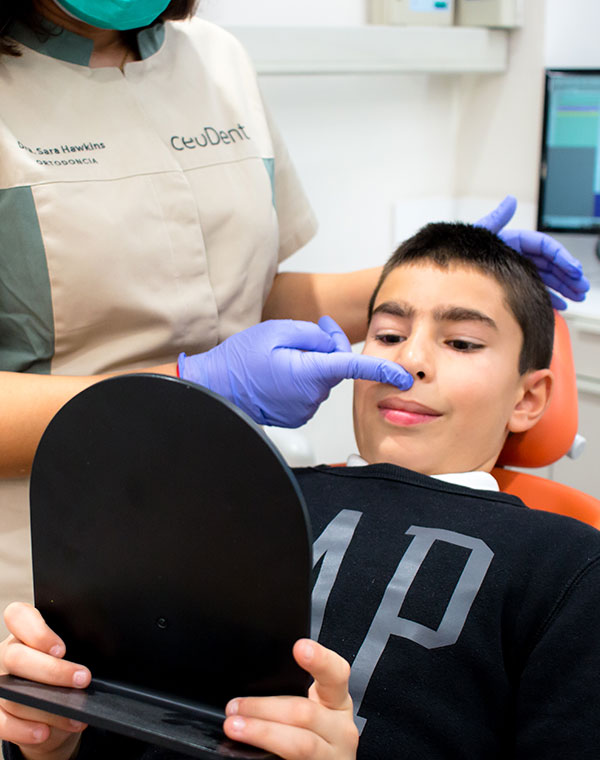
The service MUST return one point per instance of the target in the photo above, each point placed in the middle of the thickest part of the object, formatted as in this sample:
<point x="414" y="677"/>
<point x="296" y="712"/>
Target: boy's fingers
<point x="26" y="624"/>
<point x="33" y="716"/>
<point x="40" y="737"/>
<point x="25" y="662"/>
<point x="330" y="672"/>
<point x="289" y="742"/>
<point x="20" y="731"/>
<point x="296" y="728"/>
<point x="298" y="712"/>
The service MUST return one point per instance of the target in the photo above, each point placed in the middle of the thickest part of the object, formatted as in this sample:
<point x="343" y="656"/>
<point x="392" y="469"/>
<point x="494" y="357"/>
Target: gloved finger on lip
<point x="334" y="367"/>
<point x="381" y="371"/>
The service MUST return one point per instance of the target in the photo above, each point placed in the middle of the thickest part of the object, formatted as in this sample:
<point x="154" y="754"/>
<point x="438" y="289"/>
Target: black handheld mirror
<point x="171" y="552"/>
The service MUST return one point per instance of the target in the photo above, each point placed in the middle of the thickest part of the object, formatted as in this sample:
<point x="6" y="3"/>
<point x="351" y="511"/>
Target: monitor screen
<point x="569" y="199"/>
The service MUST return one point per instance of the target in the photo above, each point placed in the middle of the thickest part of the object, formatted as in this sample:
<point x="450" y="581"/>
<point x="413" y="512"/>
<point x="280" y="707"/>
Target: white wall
<point x="375" y="147"/>
<point x="498" y="148"/>
<point x="572" y="33"/>
<point x="280" y="12"/>
<point x="362" y="143"/>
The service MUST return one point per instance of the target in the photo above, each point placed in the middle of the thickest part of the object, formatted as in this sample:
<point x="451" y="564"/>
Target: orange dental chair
<point x="549" y="440"/>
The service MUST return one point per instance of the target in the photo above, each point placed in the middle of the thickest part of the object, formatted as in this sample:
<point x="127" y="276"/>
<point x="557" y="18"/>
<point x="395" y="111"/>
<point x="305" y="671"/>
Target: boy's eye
<point x="389" y="339"/>
<point x="464" y="345"/>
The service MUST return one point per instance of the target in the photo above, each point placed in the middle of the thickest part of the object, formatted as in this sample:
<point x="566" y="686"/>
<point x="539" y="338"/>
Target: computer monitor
<point x="569" y="198"/>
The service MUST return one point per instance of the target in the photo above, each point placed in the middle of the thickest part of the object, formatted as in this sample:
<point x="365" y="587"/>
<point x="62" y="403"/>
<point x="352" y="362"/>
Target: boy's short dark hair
<point x="448" y="243"/>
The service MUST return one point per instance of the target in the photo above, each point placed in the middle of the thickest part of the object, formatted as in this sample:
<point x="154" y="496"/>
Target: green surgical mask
<point x="115" y="14"/>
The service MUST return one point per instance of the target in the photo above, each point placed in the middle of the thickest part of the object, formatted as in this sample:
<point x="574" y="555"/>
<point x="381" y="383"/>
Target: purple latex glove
<point x="557" y="268"/>
<point x="280" y="371"/>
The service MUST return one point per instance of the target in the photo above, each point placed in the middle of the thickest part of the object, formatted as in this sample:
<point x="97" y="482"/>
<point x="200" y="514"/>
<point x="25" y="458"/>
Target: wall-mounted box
<point x="413" y="12"/>
<point x="374" y="49"/>
<point x="505" y="14"/>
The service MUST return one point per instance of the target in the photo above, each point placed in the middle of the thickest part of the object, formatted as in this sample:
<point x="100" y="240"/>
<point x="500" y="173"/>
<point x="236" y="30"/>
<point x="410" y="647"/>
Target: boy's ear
<point x="536" y="389"/>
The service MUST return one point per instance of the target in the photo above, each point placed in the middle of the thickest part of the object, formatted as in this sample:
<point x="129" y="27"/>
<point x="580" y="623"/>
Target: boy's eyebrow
<point x="445" y="314"/>
<point x="463" y="314"/>
<point x="395" y="308"/>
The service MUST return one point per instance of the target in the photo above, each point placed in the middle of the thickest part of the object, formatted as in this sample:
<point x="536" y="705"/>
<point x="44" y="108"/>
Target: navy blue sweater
<point x="472" y="623"/>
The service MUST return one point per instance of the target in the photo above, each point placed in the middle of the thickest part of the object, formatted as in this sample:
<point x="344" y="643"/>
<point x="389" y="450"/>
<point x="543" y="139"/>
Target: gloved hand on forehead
<point x="280" y="371"/>
<point x="557" y="268"/>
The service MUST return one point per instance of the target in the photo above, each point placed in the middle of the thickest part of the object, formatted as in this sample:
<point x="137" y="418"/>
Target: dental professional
<point x="146" y="200"/>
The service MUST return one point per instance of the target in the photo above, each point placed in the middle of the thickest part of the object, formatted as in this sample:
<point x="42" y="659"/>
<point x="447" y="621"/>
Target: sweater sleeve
<point x="557" y="709"/>
<point x="11" y="752"/>
<point x="97" y="744"/>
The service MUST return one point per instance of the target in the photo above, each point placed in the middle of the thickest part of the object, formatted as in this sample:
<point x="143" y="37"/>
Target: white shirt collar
<point x="478" y="479"/>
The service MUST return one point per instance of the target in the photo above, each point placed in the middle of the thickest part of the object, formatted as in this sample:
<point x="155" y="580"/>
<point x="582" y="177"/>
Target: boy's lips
<point x="400" y="411"/>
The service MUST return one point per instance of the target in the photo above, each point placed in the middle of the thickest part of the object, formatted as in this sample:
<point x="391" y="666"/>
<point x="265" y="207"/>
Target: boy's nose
<point x="415" y="356"/>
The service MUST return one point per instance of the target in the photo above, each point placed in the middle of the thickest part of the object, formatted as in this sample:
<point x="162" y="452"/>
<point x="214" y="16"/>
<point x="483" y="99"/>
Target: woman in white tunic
<point x="146" y="201"/>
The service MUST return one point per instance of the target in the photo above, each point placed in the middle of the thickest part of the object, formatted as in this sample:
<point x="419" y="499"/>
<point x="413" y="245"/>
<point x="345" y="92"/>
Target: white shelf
<point x="374" y="49"/>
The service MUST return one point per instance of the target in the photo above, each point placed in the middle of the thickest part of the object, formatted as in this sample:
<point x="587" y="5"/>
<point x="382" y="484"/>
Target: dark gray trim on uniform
<point x="270" y="167"/>
<point x="26" y="315"/>
<point x="72" y="48"/>
<point x="60" y="44"/>
<point x="151" y="39"/>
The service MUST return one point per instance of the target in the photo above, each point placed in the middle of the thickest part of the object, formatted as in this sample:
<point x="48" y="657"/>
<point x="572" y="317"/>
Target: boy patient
<point x="470" y="622"/>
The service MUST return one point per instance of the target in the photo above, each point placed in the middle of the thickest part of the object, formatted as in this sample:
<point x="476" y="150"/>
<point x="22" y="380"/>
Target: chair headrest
<point x="551" y="438"/>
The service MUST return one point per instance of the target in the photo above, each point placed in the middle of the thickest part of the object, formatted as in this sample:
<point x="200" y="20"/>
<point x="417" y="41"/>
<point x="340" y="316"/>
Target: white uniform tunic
<point x="142" y="213"/>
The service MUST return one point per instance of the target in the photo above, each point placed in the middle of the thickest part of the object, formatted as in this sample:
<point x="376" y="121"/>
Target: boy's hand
<point x="35" y="652"/>
<point x="557" y="268"/>
<point x="319" y="727"/>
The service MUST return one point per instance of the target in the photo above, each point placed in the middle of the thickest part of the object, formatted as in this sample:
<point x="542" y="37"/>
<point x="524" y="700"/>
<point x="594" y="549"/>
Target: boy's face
<point x="452" y="330"/>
